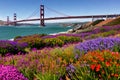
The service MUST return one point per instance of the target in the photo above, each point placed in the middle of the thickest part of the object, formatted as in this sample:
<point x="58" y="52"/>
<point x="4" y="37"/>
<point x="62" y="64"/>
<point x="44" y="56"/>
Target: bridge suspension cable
<point x="57" y="12"/>
<point x="34" y="13"/>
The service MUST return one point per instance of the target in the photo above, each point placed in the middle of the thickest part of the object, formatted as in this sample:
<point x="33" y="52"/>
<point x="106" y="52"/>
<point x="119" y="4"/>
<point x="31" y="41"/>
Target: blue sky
<point x="24" y="8"/>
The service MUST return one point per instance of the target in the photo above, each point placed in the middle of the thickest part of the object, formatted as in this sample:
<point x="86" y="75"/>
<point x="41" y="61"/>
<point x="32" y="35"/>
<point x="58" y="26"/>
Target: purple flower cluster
<point x="11" y="47"/>
<point x="10" y="73"/>
<point x="98" y="44"/>
<point x="6" y="43"/>
<point x="70" y="68"/>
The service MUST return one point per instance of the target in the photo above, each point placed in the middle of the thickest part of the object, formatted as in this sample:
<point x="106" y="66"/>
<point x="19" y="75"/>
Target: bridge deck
<point x="70" y="17"/>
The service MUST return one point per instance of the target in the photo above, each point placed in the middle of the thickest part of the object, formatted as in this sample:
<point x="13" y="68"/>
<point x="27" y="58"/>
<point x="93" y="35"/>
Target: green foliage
<point x="82" y="73"/>
<point x="104" y="34"/>
<point x="33" y="42"/>
<point x="3" y="51"/>
<point x="37" y="41"/>
<point x="102" y="29"/>
<point x="116" y="48"/>
<point x="69" y="39"/>
<point x="51" y="42"/>
<point x="96" y="22"/>
<point x="29" y="73"/>
<point x="17" y="37"/>
<point x="41" y="35"/>
<point x="46" y="76"/>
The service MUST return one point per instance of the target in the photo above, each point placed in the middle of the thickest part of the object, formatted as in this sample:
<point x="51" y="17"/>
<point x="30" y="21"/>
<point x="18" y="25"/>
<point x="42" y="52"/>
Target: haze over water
<point x="9" y="32"/>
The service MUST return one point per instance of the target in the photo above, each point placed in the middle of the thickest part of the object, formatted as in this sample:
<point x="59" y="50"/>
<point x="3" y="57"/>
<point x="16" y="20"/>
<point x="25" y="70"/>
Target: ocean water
<point x="9" y="32"/>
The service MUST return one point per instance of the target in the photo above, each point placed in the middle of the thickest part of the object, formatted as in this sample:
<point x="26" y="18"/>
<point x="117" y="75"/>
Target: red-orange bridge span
<point x="71" y="17"/>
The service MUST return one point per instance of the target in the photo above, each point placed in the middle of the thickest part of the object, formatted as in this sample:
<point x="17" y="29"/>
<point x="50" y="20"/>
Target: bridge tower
<point x="42" y="15"/>
<point x="15" y="18"/>
<point x="8" y="20"/>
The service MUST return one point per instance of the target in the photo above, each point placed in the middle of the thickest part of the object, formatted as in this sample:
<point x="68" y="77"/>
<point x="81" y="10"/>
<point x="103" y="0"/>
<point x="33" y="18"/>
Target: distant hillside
<point x="96" y="24"/>
<point x="114" y="22"/>
<point x="2" y="22"/>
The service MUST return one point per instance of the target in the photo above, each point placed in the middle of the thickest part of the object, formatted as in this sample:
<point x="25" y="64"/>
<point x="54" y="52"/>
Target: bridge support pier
<point x="15" y="18"/>
<point x="93" y="19"/>
<point x="42" y="15"/>
<point x="8" y="20"/>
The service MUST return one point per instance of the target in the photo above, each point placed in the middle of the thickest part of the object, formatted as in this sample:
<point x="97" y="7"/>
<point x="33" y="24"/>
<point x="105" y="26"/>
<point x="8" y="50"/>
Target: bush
<point x="51" y="42"/>
<point x="33" y="42"/>
<point x="11" y="47"/>
<point x="116" y="48"/>
<point x="96" y="22"/>
<point x="17" y="37"/>
<point x="10" y="73"/>
<point x="69" y="39"/>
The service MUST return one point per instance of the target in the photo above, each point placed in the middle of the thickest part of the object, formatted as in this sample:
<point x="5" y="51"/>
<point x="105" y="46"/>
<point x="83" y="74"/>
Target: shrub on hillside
<point x="69" y="39"/>
<point x="116" y="48"/>
<point x="51" y="42"/>
<point x="11" y="47"/>
<point x="33" y="42"/>
<point x="17" y="37"/>
<point x="96" y="22"/>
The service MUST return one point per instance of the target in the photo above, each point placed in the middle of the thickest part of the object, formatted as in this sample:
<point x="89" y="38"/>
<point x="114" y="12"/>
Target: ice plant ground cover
<point x="10" y="73"/>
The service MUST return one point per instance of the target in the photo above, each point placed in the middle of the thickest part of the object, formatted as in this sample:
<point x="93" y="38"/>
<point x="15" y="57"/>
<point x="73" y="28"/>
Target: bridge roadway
<point x="70" y="17"/>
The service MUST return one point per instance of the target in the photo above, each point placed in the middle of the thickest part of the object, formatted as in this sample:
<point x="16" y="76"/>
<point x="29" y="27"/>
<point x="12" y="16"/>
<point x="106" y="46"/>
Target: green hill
<point x="114" y="22"/>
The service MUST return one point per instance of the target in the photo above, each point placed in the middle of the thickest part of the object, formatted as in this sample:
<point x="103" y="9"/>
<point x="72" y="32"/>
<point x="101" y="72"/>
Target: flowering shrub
<point x="103" y="65"/>
<point x="32" y="41"/>
<point x="11" y="47"/>
<point x="99" y="44"/>
<point x="36" y="41"/>
<point x="69" y="39"/>
<point x="39" y="63"/>
<point x="10" y="73"/>
<point x="51" y="42"/>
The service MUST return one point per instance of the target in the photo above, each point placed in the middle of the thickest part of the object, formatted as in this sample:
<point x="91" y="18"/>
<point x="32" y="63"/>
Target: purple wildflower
<point x="70" y="68"/>
<point x="10" y="73"/>
<point x="98" y="44"/>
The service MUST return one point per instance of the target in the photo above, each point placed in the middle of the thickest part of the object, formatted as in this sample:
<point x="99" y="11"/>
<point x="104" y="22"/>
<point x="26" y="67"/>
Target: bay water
<point x="9" y="32"/>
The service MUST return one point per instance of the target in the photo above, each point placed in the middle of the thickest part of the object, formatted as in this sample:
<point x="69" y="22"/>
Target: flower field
<point x="91" y="55"/>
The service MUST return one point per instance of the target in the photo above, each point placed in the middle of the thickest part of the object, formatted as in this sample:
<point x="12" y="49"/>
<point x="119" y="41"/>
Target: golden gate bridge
<point x="42" y="18"/>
